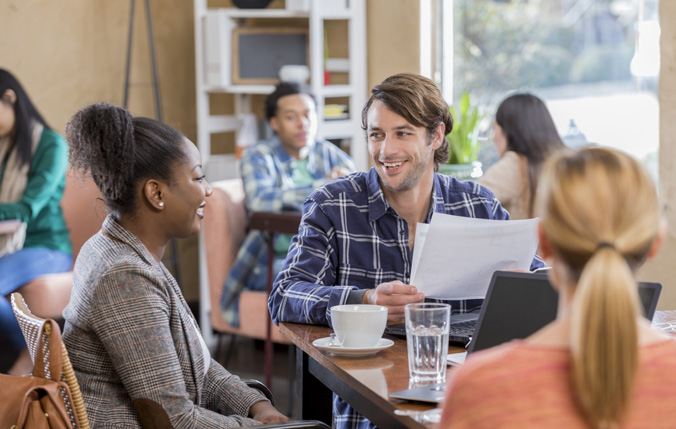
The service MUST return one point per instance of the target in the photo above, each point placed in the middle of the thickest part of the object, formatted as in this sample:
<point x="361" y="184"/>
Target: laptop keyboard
<point x="463" y="328"/>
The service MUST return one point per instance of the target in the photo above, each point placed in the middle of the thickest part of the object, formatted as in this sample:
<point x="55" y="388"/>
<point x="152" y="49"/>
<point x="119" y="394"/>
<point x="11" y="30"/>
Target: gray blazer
<point x="129" y="335"/>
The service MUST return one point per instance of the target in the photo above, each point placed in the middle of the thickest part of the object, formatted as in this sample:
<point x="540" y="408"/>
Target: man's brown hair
<point x="418" y="100"/>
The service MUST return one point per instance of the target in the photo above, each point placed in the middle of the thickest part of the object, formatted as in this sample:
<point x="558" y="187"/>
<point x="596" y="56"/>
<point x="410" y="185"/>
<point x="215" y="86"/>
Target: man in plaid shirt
<point x="278" y="174"/>
<point x="356" y="238"/>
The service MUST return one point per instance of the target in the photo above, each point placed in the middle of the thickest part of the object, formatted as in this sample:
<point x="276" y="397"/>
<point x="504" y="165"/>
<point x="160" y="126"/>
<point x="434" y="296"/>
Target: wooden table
<point x="364" y="382"/>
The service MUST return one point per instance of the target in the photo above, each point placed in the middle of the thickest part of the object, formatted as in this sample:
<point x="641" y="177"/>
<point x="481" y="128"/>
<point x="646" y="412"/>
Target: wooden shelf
<point x="242" y="89"/>
<point x="263" y="13"/>
<point x="336" y="90"/>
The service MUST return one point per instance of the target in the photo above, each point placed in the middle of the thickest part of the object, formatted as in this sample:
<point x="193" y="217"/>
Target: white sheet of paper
<point x="420" y="234"/>
<point x="455" y="257"/>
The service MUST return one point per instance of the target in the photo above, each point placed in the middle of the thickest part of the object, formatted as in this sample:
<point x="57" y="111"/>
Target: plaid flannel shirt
<point x="351" y="238"/>
<point x="267" y="170"/>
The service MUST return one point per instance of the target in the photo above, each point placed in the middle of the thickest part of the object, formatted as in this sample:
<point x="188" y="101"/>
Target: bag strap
<point x="53" y="332"/>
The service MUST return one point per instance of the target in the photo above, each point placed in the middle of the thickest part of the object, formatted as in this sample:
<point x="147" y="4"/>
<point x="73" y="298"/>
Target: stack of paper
<point x="455" y="257"/>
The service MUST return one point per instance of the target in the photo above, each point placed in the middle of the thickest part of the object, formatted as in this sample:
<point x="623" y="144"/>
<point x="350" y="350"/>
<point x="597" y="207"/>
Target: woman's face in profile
<point x="499" y="139"/>
<point x="186" y="197"/>
<point x="7" y="118"/>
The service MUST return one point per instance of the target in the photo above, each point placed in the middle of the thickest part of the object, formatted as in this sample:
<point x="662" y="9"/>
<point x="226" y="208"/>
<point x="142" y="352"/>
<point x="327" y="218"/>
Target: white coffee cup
<point x="358" y="325"/>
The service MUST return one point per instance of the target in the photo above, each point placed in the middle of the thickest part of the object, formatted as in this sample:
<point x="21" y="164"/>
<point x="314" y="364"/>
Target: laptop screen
<point x="519" y="304"/>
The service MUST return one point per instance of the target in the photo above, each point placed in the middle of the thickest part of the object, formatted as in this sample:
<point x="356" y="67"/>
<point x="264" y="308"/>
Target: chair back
<point x="83" y="209"/>
<point x="32" y="327"/>
<point x="224" y="230"/>
<point x="224" y="223"/>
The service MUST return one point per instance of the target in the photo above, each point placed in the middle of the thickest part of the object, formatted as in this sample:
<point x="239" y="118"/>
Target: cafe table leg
<point x="313" y="399"/>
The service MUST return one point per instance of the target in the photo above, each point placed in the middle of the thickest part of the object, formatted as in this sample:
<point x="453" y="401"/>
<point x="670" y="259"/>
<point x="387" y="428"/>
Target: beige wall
<point x="72" y="52"/>
<point x="392" y="38"/>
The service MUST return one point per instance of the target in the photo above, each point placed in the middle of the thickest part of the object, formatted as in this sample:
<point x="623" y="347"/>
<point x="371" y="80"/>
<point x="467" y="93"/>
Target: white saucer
<point x="323" y="344"/>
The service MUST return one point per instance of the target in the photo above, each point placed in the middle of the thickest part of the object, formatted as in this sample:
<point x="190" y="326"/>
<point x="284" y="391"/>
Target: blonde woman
<point x="599" y="364"/>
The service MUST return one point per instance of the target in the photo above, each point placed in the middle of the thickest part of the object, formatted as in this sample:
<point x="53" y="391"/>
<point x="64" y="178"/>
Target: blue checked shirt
<point x="350" y="238"/>
<point x="267" y="174"/>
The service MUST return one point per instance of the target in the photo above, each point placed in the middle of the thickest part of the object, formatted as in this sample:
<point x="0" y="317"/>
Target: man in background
<point x="278" y="174"/>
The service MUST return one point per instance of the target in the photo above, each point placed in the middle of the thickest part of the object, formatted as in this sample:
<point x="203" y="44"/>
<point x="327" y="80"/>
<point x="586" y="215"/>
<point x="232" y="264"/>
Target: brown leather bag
<point x="36" y="401"/>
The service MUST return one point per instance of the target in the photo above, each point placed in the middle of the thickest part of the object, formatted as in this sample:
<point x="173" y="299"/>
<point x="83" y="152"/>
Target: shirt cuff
<point x="355" y="296"/>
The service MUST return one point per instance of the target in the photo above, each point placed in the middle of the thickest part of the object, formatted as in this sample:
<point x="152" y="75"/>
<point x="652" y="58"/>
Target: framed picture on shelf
<point x="259" y="53"/>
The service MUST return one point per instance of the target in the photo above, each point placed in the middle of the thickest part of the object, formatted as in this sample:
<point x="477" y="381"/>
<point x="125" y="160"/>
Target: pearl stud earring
<point x="161" y="204"/>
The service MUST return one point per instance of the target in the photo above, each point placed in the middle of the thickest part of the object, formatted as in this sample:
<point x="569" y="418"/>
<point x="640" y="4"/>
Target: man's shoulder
<point x="262" y="148"/>
<point x="351" y="187"/>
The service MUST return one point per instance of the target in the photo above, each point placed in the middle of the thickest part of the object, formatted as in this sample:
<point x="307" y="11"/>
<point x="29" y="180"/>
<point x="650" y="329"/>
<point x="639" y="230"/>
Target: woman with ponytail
<point x="134" y="343"/>
<point x="33" y="163"/>
<point x="599" y="364"/>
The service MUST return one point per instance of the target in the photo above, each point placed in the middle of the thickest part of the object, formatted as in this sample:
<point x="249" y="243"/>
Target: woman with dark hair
<point x="599" y="364"/>
<point x="524" y="135"/>
<point x="34" y="159"/>
<point x="133" y="341"/>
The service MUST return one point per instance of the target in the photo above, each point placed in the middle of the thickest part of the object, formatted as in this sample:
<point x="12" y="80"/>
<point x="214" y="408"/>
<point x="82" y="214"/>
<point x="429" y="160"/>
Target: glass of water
<point x="427" y="341"/>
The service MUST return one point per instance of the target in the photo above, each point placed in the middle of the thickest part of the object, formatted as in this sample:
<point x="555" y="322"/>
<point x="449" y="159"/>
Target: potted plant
<point x="463" y="142"/>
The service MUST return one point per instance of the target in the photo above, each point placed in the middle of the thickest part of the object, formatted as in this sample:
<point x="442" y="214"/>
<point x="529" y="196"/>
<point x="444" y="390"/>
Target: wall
<point x="393" y="35"/>
<point x="662" y="268"/>
<point x="70" y="53"/>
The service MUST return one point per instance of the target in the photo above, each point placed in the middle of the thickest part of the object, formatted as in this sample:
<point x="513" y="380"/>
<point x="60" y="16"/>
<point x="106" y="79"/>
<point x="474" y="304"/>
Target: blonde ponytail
<point x="600" y="212"/>
<point x="604" y="338"/>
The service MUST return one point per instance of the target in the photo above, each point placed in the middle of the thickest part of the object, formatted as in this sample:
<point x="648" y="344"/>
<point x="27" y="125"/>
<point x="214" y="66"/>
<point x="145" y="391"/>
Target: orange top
<point x="519" y="385"/>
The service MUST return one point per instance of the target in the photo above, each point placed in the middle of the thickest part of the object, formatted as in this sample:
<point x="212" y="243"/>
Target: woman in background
<point x="599" y="364"/>
<point x="33" y="163"/>
<point x="133" y="341"/>
<point x="524" y="135"/>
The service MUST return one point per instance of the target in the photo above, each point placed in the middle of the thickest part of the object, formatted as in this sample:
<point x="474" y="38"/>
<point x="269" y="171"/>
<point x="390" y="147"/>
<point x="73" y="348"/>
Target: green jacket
<point x="40" y="206"/>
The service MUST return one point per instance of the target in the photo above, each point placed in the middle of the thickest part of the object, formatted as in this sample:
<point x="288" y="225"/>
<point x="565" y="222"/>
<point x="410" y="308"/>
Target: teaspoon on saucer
<point x="333" y="342"/>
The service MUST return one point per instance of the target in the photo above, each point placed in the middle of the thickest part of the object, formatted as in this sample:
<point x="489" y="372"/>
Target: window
<point x="594" y="62"/>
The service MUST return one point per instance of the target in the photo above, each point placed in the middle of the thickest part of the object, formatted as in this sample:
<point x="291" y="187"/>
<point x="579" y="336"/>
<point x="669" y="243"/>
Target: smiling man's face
<point x="401" y="153"/>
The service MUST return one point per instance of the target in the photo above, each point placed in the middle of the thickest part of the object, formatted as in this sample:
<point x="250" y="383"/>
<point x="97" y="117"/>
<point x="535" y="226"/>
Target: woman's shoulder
<point x="49" y="136"/>
<point x="510" y="164"/>
<point x="508" y="359"/>
<point x="660" y="351"/>
<point x="511" y="156"/>
<point x="52" y="149"/>
<point x="112" y="261"/>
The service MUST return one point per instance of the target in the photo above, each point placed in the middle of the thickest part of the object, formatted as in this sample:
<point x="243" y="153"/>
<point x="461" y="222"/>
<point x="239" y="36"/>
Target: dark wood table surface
<point x="364" y="382"/>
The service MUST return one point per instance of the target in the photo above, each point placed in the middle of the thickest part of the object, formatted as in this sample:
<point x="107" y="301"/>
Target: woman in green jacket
<point x="33" y="163"/>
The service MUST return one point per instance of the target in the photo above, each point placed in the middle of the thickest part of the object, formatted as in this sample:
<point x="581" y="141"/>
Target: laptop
<point x="528" y="302"/>
<point x="516" y="306"/>
<point x="462" y="326"/>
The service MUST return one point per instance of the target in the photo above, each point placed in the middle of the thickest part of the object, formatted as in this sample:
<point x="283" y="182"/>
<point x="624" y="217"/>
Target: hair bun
<point x="101" y="140"/>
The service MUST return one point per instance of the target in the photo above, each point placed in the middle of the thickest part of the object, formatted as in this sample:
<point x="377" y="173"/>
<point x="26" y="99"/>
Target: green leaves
<point x="463" y="139"/>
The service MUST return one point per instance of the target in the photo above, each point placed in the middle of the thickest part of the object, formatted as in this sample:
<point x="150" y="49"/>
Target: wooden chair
<point x="31" y="326"/>
<point x="48" y="295"/>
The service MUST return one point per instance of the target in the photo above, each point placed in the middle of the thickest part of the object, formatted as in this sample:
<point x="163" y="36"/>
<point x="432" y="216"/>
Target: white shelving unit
<point x="352" y="11"/>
